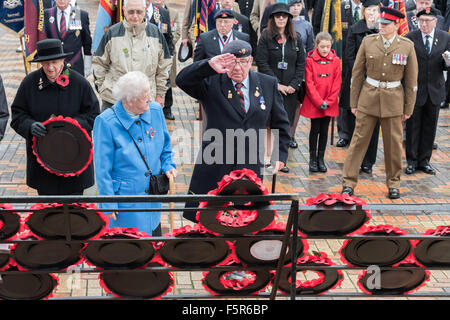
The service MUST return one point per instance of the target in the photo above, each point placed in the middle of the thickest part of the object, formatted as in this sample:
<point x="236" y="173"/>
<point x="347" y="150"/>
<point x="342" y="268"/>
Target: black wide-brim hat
<point x="280" y="8"/>
<point x="50" y="49"/>
<point x="50" y="221"/>
<point x="381" y="252"/>
<point x="66" y="150"/>
<point x="322" y="220"/>
<point x="120" y="254"/>
<point x="368" y="3"/>
<point x="434" y="252"/>
<point x="198" y="253"/>
<point x="185" y="52"/>
<point x="240" y="217"/>
<point x="48" y="255"/>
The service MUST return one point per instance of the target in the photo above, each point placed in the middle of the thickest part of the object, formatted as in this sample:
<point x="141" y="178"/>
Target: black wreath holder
<point x="253" y="252"/>
<point x="143" y="285"/>
<point x="199" y="253"/>
<point x="66" y="150"/>
<point x="45" y="255"/>
<point x="238" y="283"/>
<point x="237" y="218"/>
<point x="50" y="221"/>
<point x="329" y="279"/>
<point x="121" y="254"/>
<point x="380" y="252"/>
<point x="394" y="282"/>
<point x="10" y="223"/>
<point x="320" y="220"/>
<point x="29" y="286"/>
<point x="434" y="252"/>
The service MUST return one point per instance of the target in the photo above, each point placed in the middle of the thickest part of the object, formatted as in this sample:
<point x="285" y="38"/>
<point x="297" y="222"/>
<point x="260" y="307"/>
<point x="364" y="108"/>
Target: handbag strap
<point x="139" y="150"/>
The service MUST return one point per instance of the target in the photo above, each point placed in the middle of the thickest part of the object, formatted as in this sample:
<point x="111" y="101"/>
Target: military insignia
<point x="12" y="4"/>
<point x="262" y="103"/>
<point x="77" y="33"/>
<point x="427" y="10"/>
<point x="257" y="93"/>
<point x="230" y="95"/>
<point x="51" y="19"/>
<point x="347" y="6"/>
<point x="40" y="87"/>
<point x="243" y="51"/>
<point x="125" y="50"/>
<point x="40" y="84"/>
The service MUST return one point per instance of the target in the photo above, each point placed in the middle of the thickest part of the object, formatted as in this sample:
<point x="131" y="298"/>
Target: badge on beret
<point x="427" y="10"/>
<point x="51" y="19"/>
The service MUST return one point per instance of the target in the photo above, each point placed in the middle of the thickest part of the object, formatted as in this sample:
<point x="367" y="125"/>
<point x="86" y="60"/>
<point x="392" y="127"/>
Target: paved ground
<point x="418" y="188"/>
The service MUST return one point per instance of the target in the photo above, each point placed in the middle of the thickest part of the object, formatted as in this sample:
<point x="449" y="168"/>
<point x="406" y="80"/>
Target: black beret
<point x="430" y="11"/>
<point x="238" y="48"/>
<point x="224" y="14"/>
<point x="368" y="3"/>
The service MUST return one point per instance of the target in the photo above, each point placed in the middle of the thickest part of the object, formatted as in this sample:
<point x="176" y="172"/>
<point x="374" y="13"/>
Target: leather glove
<point x="38" y="129"/>
<point x="87" y="66"/>
<point x="323" y="106"/>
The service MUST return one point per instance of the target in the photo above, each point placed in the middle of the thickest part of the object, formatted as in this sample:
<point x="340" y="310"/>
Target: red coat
<point x="321" y="88"/>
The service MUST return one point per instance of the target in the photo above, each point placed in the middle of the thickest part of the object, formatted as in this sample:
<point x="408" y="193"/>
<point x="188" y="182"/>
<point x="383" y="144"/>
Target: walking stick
<point x="171" y="223"/>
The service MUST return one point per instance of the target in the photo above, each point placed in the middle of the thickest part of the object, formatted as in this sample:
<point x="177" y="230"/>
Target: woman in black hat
<point x="367" y="25"/>
<point x="53" y="90"/>
<point x="280" y="53"/>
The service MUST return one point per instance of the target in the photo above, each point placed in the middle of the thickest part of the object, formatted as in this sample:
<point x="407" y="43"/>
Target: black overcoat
<point x="36" y="101"/>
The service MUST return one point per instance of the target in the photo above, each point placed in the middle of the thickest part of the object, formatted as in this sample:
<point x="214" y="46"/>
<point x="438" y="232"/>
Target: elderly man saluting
<point x="239" y="104"/>
<point x="383" y="87"/>
<point x="132" y="45"/>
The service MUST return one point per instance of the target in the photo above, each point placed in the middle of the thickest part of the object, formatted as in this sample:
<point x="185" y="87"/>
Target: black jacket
<point x="208" y="44"/>
<point x="77" y="41"/>
<point x="431" y="66"/>
<point x="164" y="26"/>
<point x="36" y="100"/>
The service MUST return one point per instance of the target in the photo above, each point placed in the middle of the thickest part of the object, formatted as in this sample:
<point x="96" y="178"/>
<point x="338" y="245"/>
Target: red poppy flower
<point x="62" y="80"/>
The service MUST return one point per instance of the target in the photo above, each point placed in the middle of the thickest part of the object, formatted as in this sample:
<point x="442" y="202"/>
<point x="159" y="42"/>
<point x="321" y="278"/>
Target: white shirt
<point x="229" y="36"/>
<point x="425" y="39"/>
<point x="66" y="15"/>
<point x="150" y="11"/>
<point x="354" y="5"/>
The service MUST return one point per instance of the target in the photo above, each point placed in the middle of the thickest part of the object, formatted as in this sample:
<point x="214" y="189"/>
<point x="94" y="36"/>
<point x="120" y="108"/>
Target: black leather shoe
<point x="410" y="169"/>
<point x="284" y="169"/>
<point x="342" y="143"/>
<point x="366" y="169"/>
<point x="394" y="193"/>
<point x="293" y="144"/>
<point x="427" y="169"/>
<point x="347" y="190"/>
<point x="169" y="116"/>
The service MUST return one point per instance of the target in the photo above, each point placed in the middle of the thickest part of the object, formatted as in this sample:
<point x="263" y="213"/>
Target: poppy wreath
<point x="10" y="223"/>
<point x="266" y="252"/>
<point x="29" y="286"/>
<point x="185" y="253"/>
<point x="138" y="284"/>
<point x="245" y="218"/>
<point x="238" y="282"/>
<point x="49" y="221"/>
<point x="381" y="252"/>
<point x="321" y="221"/>
<point x="45" y="255"/>
<point x="329" y="279"/>
<point x="120" y="254"/>
<point x="394" y="282"/>
<point x="434" y="252"/>
<point x="85" y="136"/>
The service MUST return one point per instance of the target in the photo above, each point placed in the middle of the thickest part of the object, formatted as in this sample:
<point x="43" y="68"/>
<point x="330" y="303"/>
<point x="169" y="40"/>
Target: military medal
<point x="257" y="92"/>
<point x="40" y="83"/>
<point x="77" y="33"/>
<point x="230" y="95"/>
<point x="125" y="50"/>
<point x="262" y="102"/>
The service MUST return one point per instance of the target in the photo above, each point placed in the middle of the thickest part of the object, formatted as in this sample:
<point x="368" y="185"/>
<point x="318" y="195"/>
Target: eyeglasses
<point x="136" y="12"/>
<point x="426" y="20"/>
<point x="241" y="63"/>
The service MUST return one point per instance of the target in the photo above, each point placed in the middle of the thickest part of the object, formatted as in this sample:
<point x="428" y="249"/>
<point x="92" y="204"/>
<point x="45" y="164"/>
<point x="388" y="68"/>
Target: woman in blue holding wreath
<point x="129" y="137"/>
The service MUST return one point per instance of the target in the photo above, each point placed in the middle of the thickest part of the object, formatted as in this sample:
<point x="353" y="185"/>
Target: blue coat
<point x="120" y="170"/>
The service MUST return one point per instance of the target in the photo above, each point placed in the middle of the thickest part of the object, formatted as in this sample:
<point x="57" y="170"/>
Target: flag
<point x="331" y="23"/>
<point x="400" y="6"/>
<point x="34" y="27"/>
<point x="109" y="12"/>
<point x="12" y="15"/>
<point x="204" y="11"/>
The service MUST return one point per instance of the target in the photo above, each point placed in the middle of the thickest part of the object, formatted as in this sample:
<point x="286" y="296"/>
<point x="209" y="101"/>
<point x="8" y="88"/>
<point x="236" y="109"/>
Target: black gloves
<point x="323" y="106"/>
<point x="38" y="129"/>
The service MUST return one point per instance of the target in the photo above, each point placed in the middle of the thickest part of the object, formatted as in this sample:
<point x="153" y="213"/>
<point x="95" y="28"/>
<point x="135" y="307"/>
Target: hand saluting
<point x="222" y="63"/>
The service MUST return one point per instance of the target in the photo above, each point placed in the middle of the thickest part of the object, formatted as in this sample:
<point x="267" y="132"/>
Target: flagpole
<point x="25" y="63"/>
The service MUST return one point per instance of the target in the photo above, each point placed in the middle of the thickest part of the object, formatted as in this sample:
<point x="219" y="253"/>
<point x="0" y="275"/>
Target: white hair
<point x="130" y="86"/>
<point x="125" y="2"/>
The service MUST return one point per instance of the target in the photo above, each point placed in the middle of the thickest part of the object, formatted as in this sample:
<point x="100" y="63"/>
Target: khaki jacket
<point x="374" y="61"/>
<point x="125" y="48"/>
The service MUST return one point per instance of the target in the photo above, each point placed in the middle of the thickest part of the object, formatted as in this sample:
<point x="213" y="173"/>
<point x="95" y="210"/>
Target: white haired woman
<point x="119" y="167"/>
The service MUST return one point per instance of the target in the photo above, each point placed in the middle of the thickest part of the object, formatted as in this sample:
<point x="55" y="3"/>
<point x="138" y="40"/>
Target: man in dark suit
<point x="239" y="104"/>
<point x="71" y="26"/>
<point x="430" y="44"/>
<point x="411" y="15"/>
<point x="211" y="43"/>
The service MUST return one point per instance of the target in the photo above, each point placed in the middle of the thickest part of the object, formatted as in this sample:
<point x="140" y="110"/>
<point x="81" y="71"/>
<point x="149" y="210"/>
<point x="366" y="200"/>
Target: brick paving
<point x="418" y="188"/>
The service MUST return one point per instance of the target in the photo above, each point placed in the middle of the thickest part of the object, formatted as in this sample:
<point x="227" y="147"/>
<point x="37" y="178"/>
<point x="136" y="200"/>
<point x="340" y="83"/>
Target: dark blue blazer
<point x="76" y="42"/>
<point x="208" y="44"/>
<point x="222" y="111"/>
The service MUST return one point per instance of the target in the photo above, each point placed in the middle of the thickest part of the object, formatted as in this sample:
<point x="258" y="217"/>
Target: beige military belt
<point x="383" y="84"/>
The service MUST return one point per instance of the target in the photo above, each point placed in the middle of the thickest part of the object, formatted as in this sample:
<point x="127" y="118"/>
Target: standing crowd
<point x="261" y="65"/>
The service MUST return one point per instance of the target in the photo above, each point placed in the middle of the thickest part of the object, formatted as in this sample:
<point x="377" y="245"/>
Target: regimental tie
<point x="240" y="95"/>
<point x="428" y="43"/>
<point x="62" y="25"/>
<point x="356" y="15"/>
